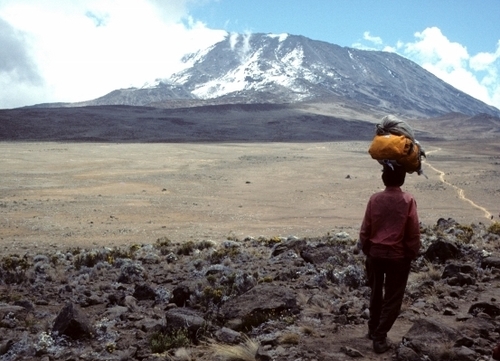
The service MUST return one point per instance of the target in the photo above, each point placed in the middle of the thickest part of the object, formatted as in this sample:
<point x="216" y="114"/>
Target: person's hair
<point x="393" y="177"/>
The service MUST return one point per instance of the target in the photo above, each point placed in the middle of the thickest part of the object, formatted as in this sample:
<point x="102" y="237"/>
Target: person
<point x="390" y="238"/>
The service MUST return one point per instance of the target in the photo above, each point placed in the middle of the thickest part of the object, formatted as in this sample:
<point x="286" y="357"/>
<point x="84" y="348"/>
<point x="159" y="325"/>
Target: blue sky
<point x="475" y="24"/>
<point x="58" y="50"/>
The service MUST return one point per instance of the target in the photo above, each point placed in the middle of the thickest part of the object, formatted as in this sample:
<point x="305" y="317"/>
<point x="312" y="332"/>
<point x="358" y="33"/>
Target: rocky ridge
<point x="252" y="299"/>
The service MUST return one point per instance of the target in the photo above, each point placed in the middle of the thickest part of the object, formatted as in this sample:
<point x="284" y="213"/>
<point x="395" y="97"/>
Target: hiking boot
<point x="380" y="346"/>
<point x="370" y="335"/>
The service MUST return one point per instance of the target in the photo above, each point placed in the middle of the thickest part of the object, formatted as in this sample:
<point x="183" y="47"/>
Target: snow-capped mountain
<point x="286" y="68"/>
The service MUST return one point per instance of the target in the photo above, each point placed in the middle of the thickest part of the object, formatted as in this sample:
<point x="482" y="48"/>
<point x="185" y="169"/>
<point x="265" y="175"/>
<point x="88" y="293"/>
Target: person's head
<point x="393" y="177"/>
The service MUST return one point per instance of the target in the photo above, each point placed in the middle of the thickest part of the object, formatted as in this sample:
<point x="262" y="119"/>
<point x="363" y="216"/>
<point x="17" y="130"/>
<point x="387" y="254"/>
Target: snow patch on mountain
<point x="288" y="68"/>
<point x="281" y="37"/>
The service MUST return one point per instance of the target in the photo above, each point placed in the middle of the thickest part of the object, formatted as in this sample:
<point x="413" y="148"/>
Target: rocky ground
<point x="141" y="252"/>
<point x="248" y="299"/>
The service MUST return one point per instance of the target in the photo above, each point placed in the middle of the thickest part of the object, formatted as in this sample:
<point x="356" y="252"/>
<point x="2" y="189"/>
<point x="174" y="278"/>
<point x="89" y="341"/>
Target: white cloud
<point x="373" y="39"/>
<point x="477" y="75"/>
<point x="82" y="49"/>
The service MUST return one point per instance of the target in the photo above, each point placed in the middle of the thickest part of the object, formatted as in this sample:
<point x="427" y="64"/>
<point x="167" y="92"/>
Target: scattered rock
<point x="111" y="304"/>
<point x="72" y="322"/>
<point x="349" y="351"/>
<point x="442" y="250"/>
<point x="422" y="336"/>
<point x="485" y="307"/>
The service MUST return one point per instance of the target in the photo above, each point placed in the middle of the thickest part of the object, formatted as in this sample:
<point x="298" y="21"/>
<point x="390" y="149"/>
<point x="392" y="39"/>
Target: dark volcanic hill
<point x="301" y="122"/>
<point x="216" y="123"/>
<point x="265" y="68"/>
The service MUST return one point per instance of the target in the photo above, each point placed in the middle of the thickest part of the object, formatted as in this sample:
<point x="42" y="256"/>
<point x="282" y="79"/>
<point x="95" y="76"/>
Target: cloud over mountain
<point x="281" y="68"/>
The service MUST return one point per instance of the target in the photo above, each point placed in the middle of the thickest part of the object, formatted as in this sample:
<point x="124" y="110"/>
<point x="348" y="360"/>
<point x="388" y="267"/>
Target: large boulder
<point x="442" y="250"/>
<point x="291" y="244"/>
<point x="260" y="304"/>
<point x="319" y="254"/>
<point x="184" y="319"/>
<point x="427" y="337"/>
<point x="491" y="262"/>
<point x="72" y="322"/>
<point x="485" y="307"/>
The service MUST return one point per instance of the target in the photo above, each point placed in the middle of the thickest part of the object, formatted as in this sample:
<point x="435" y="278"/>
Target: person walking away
<point x="390" y="238"/>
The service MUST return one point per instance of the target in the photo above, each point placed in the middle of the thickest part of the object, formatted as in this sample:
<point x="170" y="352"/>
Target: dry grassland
<point x="86" y="194"/>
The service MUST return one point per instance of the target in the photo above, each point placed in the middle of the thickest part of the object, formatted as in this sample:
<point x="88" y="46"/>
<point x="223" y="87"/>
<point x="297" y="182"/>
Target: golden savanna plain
<point x="69" y="194"/>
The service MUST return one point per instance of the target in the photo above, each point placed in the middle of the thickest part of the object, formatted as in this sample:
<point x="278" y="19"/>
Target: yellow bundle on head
<point x="388" y="146"/>
<point x="395" y="143"/>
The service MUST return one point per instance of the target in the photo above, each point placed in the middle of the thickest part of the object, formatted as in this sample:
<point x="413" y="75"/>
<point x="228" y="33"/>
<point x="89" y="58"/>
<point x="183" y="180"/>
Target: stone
<point x="72" y="322"/>
<point x="144" y="292"/>
<point x="180" y="295"/>
<point x="295" y="244"/>
<point x="318" y="255"/>
<point x="428" y="336"/>
<point x="274" y="302"/>
<point x="486" y="307"/>
<point x="352" y="352"/>
<point x="228" y="335"/>
<point x="442" y="250"/>
<point x="453" y="269"/>
<point x="491" y="262"/>
<point x="181" y="318"/>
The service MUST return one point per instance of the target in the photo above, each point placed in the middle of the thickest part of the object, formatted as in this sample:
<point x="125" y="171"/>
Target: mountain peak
<point x="285" y="68"/>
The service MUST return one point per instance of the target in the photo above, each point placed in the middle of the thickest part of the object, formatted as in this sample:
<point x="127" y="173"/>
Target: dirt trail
<point x="460" y="191"/>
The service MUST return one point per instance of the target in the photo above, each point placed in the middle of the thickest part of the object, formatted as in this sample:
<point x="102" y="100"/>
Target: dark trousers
<point x="387" y="279"/>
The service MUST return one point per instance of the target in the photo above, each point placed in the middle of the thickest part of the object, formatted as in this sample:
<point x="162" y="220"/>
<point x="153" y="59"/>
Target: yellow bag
<point x="388" y="146"/>
<point x="398" y="148"/>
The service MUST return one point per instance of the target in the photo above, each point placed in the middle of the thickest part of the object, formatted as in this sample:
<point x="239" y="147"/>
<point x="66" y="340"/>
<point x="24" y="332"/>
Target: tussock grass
<point x="243" y="352"/>
<point x="308" y="330"/>
<point x="429" y="273"/>
<point x="446" y="352"/>
<point x="181" y="354"/>
<point x="289" y="339"/>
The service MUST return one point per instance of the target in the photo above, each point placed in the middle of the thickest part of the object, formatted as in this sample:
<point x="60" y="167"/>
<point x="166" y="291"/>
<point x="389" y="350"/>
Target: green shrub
<point x="218" y="255"/>
<point x="201" y="245"/>
<point x="14" y="262"/>
<point x="494" y="228"/>
<point x="467" y="234"/>
<point x="163" y="244"/>
<point x="213" y="295"/>
<point x="186" y="248"/>
<point x="161" y="342"/>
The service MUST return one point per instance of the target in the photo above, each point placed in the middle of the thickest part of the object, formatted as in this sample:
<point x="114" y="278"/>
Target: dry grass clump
<point x="429" y="272"/>
<point x="181" y="354"/>
<point x="289" y="339"/>
<point x="446" y="352"/>
<point x="494" y="228"/>
<point x="243" y="352"/>
<point x="308" y="330"/>
<point x="269" y="242"/>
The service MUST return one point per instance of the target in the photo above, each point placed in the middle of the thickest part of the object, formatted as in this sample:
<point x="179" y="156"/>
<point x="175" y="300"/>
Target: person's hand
<point x="357" y="247"/>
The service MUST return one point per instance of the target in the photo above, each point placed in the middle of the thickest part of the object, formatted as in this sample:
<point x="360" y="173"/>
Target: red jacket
<point x="390" y="228"/>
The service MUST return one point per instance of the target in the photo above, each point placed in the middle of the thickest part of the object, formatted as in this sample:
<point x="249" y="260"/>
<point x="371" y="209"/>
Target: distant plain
<point x="69" y="194"/>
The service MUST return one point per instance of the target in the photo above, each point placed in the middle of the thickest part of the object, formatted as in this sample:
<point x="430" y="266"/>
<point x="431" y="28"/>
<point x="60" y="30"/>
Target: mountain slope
<point x="286" y="68"/>
<point x="220" y="123"/>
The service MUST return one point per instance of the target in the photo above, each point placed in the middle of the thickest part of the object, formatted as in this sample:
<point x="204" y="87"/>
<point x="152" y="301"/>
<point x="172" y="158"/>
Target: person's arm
<point x="365" y="230"/>
<point x="412" y="232"/>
